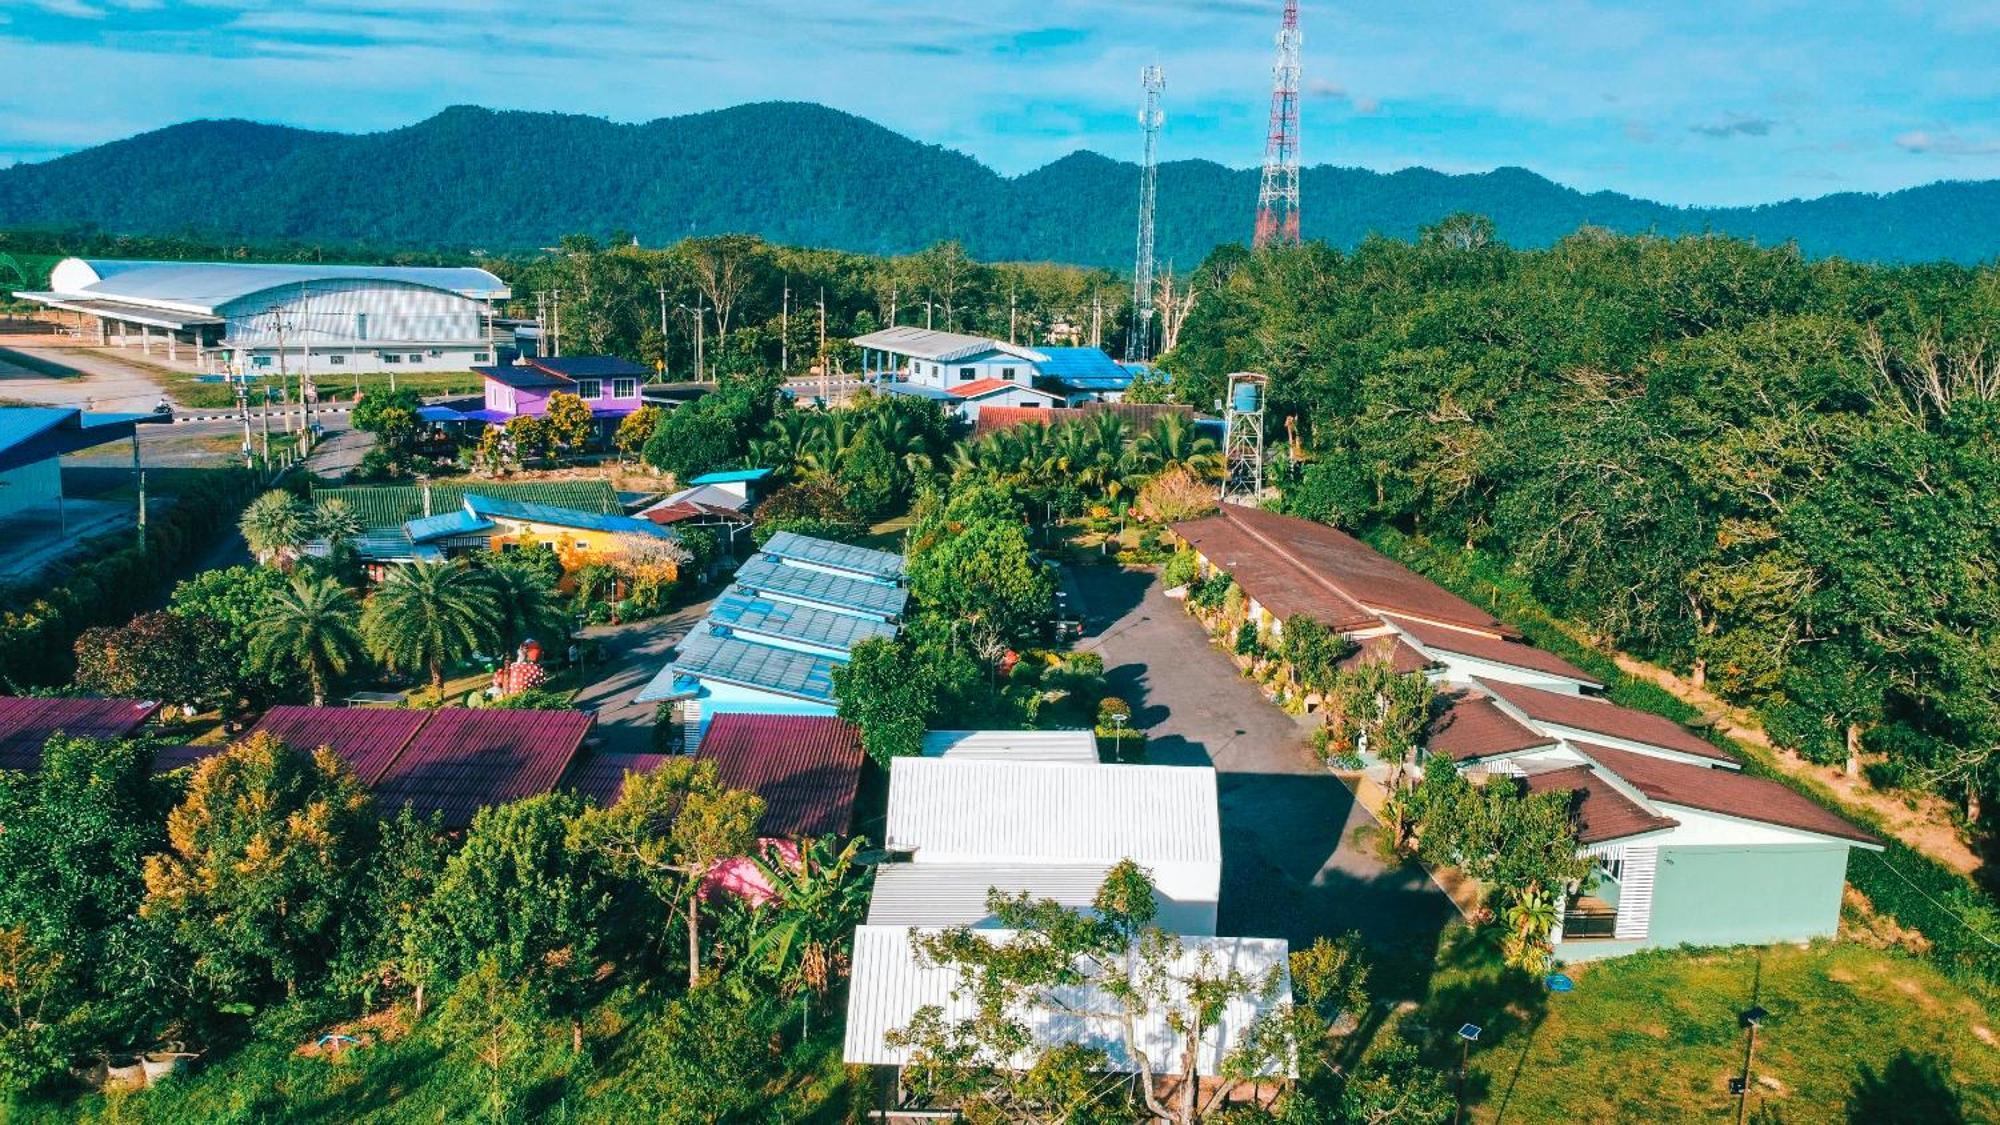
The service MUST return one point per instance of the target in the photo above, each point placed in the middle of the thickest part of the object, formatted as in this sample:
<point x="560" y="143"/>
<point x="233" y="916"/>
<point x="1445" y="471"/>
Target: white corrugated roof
<point x="944" y="347"/>
<point x="1014" y="745"/>
<point x="890" y="982"/>
<point x="946" y="808"/>
<point x="954" y="894"/>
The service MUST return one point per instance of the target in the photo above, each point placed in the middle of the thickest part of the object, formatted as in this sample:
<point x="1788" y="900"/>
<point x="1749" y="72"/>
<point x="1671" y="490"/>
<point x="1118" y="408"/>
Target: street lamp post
<point x="1468" y="1034"/>
<point x="1118" y="719"/>
<point x="1750" y="1021"/>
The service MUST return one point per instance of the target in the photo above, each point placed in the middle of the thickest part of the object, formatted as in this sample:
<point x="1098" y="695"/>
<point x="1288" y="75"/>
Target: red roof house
<point x="806" y="767"/>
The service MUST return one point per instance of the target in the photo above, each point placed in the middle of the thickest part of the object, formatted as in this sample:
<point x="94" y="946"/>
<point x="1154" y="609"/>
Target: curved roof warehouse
<point x="260" y="318"/>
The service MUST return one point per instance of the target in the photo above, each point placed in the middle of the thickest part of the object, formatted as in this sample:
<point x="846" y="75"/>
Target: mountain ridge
<point x="473" y="177"/>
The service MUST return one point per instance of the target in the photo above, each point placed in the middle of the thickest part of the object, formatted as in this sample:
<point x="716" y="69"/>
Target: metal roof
<point x="765" y="575"/>
<point x="1075" y="746"/>
<point x="527" y="511"/>
<point x="393" y="505"/>
<point x="1471" y="726"/>
<point x="705" y="655"/>
<point x="1084" y="369"/>
<point x="890" y="982"/>
<point x="1725" y="792"/>
<point x="1601" y="716"/>
<point x="806" y="767"/>
<point x="207" y="286"/>
<point x="1496" y="650"/>
<point x="915" y="390"/>
<point x="884" y="565"/>
<point x="946" y="809"/>
<point x="36" y="433"/>
<point x="121" y="310"/>
<point x="460" y="522"/>
<point x="1602" y="813"/>
<point x="954" y="894"/>
<point x="730" y="476"/>
<point x="589" y="366"/>
<point x="750" y="616"/>
<point x="369" y="738"/>
<point x="26" y="723"/>
<point x="944" y="347"/>
<point x="521" y="377"/>
<point x="466" y="759"/>
<point x="601" y="777"/>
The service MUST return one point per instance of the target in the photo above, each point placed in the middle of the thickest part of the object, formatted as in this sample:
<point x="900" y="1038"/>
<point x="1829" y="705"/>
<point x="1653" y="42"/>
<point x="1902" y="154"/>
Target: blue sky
<point x="1692" y="101"/>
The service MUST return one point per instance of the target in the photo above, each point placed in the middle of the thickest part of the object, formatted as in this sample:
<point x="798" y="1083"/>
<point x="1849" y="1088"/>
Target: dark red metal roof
<point x="1726" y="792"/>
<point x="806" y="767"/>
<point x="369" y="738"/>
<point x="1602" y="813"/>
<point x="1472" y="726"/>
<point x="601" y="777"/>
<point x="26" y="723"/>
<point x="1483" y="646"/>
<point x="465" y="759"/>
<point x="1401" y="657"/>
<point x="168" y="758"/>
<point x="1601" y="716"/>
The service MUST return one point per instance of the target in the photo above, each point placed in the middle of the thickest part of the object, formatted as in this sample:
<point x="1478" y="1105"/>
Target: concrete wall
<point x="1736" y="896"/>
<point x="719" y="699"/>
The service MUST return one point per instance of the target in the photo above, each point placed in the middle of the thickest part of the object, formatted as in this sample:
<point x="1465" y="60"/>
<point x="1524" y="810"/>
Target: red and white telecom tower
<point x="1278" y="195"/>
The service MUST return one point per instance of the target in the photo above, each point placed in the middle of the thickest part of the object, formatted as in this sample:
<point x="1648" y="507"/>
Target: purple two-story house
<point x="606" y="384"/>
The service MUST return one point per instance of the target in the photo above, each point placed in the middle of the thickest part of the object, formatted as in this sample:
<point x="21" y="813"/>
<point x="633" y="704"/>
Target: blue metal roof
<point x="486" y="507"/>
<point x="882" y="565"/>
<point x="706" y="654"/>
<point x="459" y="522"/>
<point x="440" y="414"/>
<point x="766" y="575"/>
<point x="521" y="377"/>
<point x="731" y="476"/>
<point x="1084" y="369"/>
<point x="36" y="433"/>
<point x="744" y="613"/>
<point x="589" y="366"/>
<point x="915" y="390"/>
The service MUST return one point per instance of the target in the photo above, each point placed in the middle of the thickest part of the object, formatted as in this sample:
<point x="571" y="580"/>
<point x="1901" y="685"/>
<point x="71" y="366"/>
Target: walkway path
<point x="632" y="654"/>
<point x="105" y="383"/>
<point x="1290" y="866"/>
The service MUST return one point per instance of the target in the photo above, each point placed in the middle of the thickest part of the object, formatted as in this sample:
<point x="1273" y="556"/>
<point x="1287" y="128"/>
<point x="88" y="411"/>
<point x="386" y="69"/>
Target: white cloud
<point x="1947" y="144"/>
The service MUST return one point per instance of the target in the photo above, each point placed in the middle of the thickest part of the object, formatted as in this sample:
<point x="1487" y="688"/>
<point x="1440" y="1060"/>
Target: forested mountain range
<point x="804" y="174"/>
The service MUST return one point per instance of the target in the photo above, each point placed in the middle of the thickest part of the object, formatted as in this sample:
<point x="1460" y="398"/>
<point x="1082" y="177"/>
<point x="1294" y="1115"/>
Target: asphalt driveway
<point x="1290" y="868"/>
<point x="630" y="655"/>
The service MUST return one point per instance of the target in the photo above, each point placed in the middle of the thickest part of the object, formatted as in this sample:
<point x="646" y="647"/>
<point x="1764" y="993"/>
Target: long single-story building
<point x="255" y="318"/>
<point x="956" y="363"/>
<point x="1687" y="849"/>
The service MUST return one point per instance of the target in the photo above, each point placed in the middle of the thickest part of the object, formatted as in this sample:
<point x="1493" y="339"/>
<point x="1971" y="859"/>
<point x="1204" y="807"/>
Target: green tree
<point x="426" y="615"/>
<point x="1392" y="1086"/>
<point x="276" y="525"/>
<point x="973" y="563"/>
<point x="312" y="625"/>
<point x="391" y="416"/>
<point x="265" y="857"/>
<point x="568" y="423"/>
<point x="170" y="657"/>
<point x="636" y="429"/>
<point x="887" y="691"/>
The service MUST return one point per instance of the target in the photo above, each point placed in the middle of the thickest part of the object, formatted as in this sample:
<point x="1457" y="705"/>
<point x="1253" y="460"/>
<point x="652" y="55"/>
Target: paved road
<point x="633" y="654"/>
<point x="106" y="383"/>
<point x="1289" y="868"/>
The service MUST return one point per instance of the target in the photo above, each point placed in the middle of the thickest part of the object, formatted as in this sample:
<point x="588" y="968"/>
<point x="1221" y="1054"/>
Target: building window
<point x="481" y="357"/>
<point x="361" y="326"/>
<point x="934" y="370"/>
<point x="967" y="374"/>
<point x="589" y="388"/>
<point x="260" y="361"/>
<point x="391" y="357"/>
<point x="337" y="360"/>
<point x="1031" y="404"/>
<point x="624" y="388"/>
<point x="416" y="357"/>
<point x="1007" y="373"/>
<point x="582" y="545"/>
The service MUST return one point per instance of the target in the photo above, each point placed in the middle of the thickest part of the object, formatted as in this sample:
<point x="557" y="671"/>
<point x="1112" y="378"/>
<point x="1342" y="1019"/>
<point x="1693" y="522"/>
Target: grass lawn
<point x="1854" y="1034"/>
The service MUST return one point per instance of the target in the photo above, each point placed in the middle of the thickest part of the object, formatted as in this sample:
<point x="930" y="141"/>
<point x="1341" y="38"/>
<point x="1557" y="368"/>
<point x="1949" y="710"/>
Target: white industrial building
<point x="243" y="318"/>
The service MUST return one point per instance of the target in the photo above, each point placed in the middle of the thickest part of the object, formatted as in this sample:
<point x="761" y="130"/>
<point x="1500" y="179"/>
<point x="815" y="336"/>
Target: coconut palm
<point x="275" y="525"/>
<point x="313" y="624"/>
<point x="426" y="615"/>
<point x="785" y="441"/>
<point x="1172" y="440"/>
<point x="336" y="521"/>
<point x="526" y="605"/>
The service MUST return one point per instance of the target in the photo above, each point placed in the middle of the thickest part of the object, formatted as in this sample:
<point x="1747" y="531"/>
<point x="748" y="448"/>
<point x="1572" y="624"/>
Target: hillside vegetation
<point x="1776" y="476"/>
<point x="473" y="178"/>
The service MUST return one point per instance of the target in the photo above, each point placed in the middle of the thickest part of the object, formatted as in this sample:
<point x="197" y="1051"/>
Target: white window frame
<point x="625" y="387"/>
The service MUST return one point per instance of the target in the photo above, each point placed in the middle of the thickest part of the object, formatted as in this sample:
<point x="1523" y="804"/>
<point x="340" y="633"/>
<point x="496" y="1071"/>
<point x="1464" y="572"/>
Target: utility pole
<point x="1012" y="312"/>
<point x="308" y="394"/>
<point x="1096" y="319"/>
<point x="825" y="389"/>
<point x="785" y="330"/>
<point x="894" y="291"/>
<point x="663" y="331"/>
<point x="278" y="327"/>
<point x="555" y="300"/>
<point x="700" y="325"/>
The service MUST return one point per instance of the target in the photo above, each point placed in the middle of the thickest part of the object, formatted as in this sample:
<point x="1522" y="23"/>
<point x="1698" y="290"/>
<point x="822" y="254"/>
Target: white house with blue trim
<point x="981" y="369"/>
<point x="772" y="640"/>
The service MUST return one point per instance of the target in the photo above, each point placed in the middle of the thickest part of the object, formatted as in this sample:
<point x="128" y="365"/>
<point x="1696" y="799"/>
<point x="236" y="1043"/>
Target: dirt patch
<point x="1861" y="923"/>
<point x="379" y="1027"/>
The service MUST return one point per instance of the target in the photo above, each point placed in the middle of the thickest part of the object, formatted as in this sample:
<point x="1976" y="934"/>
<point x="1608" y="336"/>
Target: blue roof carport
<point x="36" y="433"/>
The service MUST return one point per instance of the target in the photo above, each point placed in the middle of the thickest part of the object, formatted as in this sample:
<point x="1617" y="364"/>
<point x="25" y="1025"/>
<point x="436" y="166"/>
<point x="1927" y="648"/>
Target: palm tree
<point x="426" y="615"/>
<point x="785" y="441"/>
<point x="337" y="522"/>
<point x="1172" y="440"/>
<point x="311" y="624"/>
<point x="275" y="525"/>
<point x="526" y="606"/>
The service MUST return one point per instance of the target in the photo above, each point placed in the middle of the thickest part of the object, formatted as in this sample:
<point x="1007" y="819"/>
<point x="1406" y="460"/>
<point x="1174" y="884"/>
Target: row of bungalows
<point x="1036" y="813"/>
<point x="1687" y="848"/>
<point x="772" y="639"/>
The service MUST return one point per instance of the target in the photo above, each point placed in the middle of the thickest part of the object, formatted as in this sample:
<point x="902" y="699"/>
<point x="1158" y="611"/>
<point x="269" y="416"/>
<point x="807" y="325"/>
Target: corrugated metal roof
<point x="730" y="476"/>
<point x="1479" y="646"/>
<point x="944" y="347"/>
<point x="1602" y="813"/>
<point x="601" y="777"/>
<point x="391" y="506"/>
<point x="1069" y="363"/>
<point x="522" y="377"/>
<point x="369" y="738"/>
<point x="750" y="616"/>
<point x="890" y="982"/>
<point x="1601" y="716"/>
<point x="1472" y="726"/>
<point x="527" y="511"/>
<point x="884" y="565"/>
<point x="703" y="655"/>
<point x="444" y="525"/>
<point x="1726" y="792"/>
<point x="166" y="759"/>
<point x="590" y="366"/>
<point x="915" y="390"/>
<point x="26" y="723"/>
<point x="1075" y="746"/>
<point x="954" y="894"/>
<point x="1058" y="812"/>
<point x="465" y="759"/>
<point x="764" y="575"/>
<point x="805" y="767"/>
<point x="208" y="286"/>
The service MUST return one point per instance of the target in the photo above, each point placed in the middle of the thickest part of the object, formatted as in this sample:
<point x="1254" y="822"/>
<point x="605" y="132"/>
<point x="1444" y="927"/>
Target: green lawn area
<point x="1854" y="1034"/>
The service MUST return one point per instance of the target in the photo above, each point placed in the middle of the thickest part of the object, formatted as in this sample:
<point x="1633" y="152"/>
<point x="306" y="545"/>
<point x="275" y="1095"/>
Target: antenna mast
<point x="1278" y="195"/>
<point x="1139" y="343"/>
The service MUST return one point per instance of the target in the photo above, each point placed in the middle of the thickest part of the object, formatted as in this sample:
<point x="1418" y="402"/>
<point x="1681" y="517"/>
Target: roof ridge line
<point x="1296" y="563"/>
